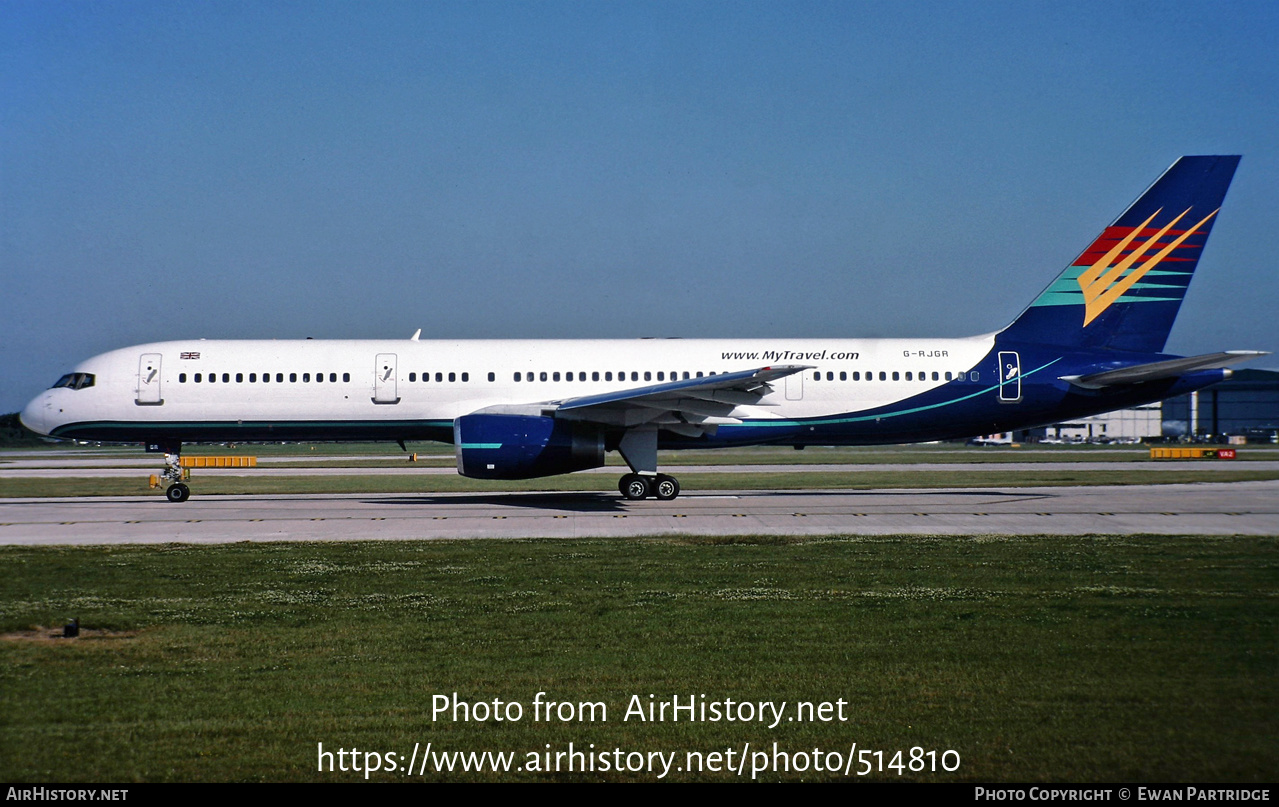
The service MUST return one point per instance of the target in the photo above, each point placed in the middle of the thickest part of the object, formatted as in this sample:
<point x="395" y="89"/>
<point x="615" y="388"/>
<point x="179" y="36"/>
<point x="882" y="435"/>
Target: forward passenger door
<point x="384" y="380"/>
<point x="149" y="392"/>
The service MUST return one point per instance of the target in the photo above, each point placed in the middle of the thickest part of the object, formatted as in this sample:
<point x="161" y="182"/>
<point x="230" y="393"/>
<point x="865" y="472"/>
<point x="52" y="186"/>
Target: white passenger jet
<point x="1092" y="342"/>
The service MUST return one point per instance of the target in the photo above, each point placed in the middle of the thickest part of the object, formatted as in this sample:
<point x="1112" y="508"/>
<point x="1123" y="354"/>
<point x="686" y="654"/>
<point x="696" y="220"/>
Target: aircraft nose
<point x="33" y="416"/>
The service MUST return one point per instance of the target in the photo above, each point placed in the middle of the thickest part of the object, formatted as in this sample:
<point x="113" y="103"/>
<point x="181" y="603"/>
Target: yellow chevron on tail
<point x="1101" y="290"/>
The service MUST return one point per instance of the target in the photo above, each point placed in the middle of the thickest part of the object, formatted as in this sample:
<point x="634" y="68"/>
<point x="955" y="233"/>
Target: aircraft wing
<point x="690" y="407"/>
<point x="1155" y="371"/>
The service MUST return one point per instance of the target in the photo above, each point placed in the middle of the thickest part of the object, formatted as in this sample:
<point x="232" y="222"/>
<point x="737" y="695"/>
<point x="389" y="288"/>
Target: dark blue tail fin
<point x="1124" y="291"/>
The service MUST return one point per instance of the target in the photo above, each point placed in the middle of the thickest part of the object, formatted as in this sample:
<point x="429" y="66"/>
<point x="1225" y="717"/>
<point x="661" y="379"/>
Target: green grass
<point x="1042" y="658"/>
<point x="208" y="485"/>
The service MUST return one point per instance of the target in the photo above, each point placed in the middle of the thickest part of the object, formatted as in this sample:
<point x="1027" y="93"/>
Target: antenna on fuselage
<point x="415" y="335"/>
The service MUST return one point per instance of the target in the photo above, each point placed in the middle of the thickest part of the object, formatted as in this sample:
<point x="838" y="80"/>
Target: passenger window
<point x="412" y="377"/>
<point x="253" y="378"/>
<point x="492" y="377"/>
<point x="648" y="376"/>
<point x="935" y="375"/>
<point x="908" y="378"/>
<point x="568" y="376"/>
<point x="608" y="375"/>
<point x="306" y="378"/>
<point x="830" y="376"/>
<point x="661" y="375"/>
<point x="974" y="376"/>
<point x="857" y="375"/>
<point x="452" y="377"/>
<point x="266" y="378"/>
<point x="346" y="377"/>
<point x="213" y="378"/>
<point x="239" y="378"/>
<point x="182" y="378"/>
<point x="699" y="373"/>
<point x="634" y="375"/>
<point x="817" y="376"/>
<point x="226" y="378"/>
<point x="896" y="376"/>
<point x="197" y="378"/>
<point x="517" y="377"/>
<point x="595" y="375"/>
<point x="686" y="375"/>
<point x="439" y="377"/>
<point x="947" y="375"/>
<point x="843" y="376"/>
<point x="466" y="377"/>
<point x="319" y="377"/>
<point x="883" y="376"/>
<point x="333" y="378"/>
<point x="279" y="378"/>
<point x="542" y="376"/>
<point x="555" y="376"/>
<point x="293" y="378"/>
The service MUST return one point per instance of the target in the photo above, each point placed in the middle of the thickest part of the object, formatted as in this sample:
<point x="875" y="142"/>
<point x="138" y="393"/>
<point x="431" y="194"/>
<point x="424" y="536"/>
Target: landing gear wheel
<point x="667" y="487"/>
<point x="178" y="493"/>
<point x="635" y="487"/>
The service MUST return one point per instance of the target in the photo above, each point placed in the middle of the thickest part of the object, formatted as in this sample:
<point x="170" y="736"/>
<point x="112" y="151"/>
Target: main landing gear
<point x="641" y="486"/>
<point x="639" y="448"/>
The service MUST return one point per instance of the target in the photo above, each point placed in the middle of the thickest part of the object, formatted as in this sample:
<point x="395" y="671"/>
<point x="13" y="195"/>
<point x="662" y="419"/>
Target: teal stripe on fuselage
<point x="831" y="421"/>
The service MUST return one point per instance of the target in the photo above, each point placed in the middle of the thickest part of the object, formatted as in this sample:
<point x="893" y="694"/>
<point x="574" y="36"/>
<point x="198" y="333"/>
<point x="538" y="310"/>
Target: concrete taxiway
<point x="87" y="471"/>
<point x="1237" y="508"/>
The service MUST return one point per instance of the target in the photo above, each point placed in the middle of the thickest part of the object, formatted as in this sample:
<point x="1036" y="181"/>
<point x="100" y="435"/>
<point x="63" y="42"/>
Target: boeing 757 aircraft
<point x="1091" y="342"/>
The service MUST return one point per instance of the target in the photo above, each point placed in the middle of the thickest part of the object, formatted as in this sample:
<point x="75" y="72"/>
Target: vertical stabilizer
<point x="1123" y="292"/>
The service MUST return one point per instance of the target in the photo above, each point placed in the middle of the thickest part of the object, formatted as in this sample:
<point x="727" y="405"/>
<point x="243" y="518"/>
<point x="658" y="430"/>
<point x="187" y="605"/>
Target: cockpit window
<point x="75" y="381"/>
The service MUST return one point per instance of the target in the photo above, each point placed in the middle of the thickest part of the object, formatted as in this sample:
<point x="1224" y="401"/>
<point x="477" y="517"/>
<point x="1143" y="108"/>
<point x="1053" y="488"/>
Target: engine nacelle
<point x="524" y="446"/>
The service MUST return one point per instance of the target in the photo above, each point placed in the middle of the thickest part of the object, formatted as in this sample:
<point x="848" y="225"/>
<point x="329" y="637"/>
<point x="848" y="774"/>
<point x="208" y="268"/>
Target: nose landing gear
<point x="177" y="491"/>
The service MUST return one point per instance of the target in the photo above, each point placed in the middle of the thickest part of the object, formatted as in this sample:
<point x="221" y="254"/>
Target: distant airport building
<point x="1245" y="405"/>
<point x="1124" y="425"/>
<point x="1244" y="408"/>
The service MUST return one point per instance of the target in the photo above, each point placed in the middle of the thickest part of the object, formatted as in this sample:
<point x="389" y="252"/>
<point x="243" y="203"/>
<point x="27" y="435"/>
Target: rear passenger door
<point x="1009" y="377"/>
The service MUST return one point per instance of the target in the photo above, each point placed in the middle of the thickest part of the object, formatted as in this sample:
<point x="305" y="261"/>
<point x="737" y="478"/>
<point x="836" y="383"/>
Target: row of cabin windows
<point x="896" y="376"/>
<point x="212" y="378"/>
<point x="439" y="377"/>
<point x="635" y="375"/>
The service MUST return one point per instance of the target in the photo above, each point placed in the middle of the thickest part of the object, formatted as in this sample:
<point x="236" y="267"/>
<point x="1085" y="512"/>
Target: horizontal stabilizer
<point x="1155" y="371"/>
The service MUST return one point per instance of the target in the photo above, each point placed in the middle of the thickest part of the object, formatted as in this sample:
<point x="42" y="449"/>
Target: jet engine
<point x="495" y="446"/>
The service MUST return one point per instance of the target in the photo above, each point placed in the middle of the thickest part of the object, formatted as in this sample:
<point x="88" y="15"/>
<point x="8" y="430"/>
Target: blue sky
<point x="605" y="169"/>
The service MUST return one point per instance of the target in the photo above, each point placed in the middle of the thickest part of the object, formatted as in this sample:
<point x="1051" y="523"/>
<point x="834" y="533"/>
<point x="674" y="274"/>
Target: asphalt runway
<point x="1237" y="508"/>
